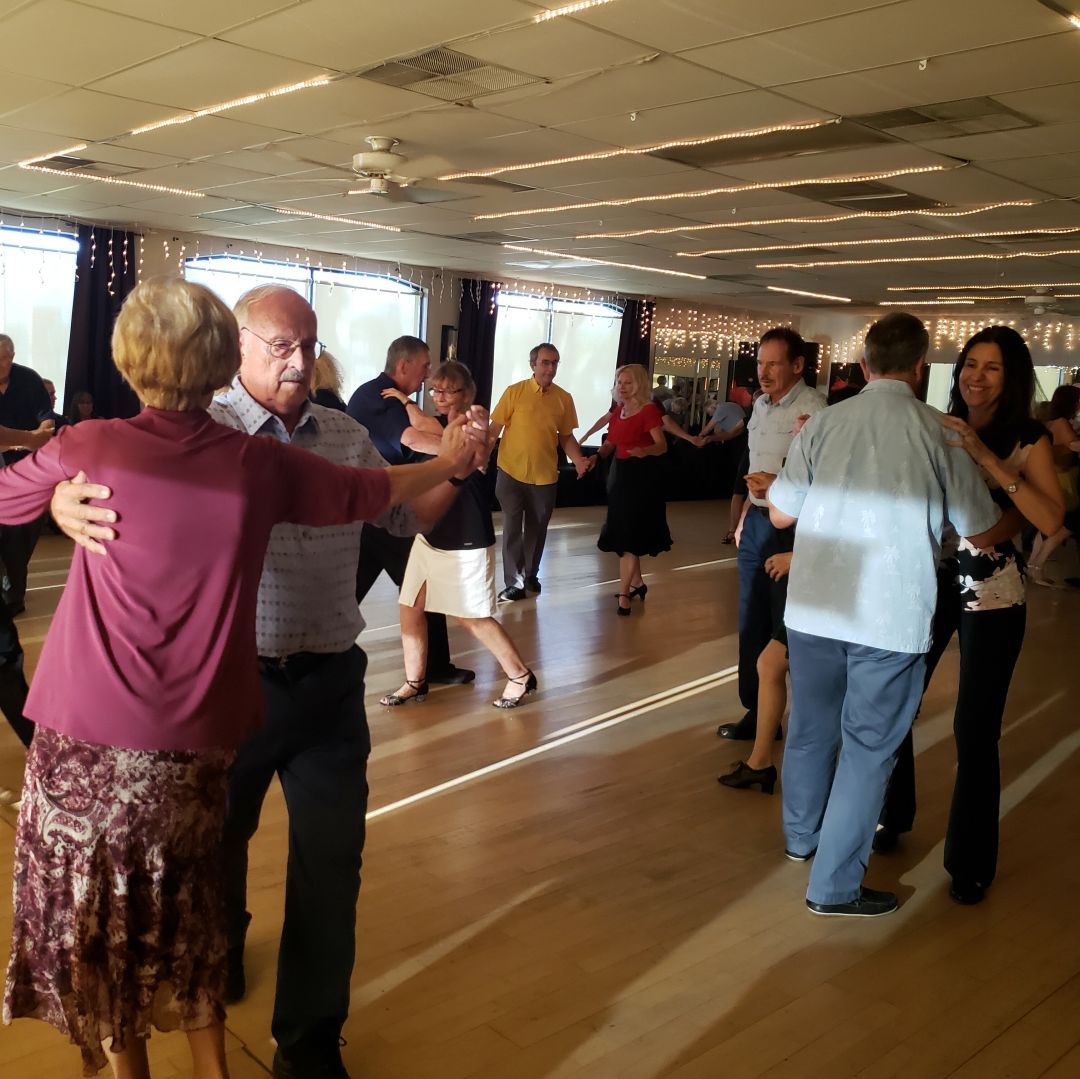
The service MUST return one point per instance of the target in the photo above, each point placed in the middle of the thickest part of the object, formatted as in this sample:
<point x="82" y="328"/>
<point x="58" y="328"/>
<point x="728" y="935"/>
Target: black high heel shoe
<point x="419" y="693"/>
<point x="639" y="591"/>
<point x="742" y="775"/>
<point x="624" y="611"/>
<point x="528" y="680"/>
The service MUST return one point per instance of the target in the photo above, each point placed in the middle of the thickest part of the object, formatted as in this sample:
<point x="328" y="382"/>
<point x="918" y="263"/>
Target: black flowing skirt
<point x="636" y="516"/>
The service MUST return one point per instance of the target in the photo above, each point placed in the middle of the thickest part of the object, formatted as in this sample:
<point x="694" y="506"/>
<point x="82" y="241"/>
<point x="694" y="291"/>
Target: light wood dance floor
<point x="565" y="891"/>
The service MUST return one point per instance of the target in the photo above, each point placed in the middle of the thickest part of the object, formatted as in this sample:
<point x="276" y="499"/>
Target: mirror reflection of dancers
<point x="636" y="522"/>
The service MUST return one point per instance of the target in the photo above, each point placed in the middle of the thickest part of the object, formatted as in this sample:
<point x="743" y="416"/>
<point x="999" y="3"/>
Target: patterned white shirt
<point x="307" y="594"/>
<point x="770" y="428"/>
<point x="873" y="485"/>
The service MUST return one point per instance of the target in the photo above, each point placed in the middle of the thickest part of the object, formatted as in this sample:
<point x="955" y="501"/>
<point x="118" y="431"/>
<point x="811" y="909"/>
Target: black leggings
<point x="990" y="643"/>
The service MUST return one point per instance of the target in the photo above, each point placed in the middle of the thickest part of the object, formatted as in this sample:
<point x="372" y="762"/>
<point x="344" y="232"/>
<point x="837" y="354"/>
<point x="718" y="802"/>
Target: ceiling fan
<point x="1041" y="302"/>
<point x="376" y="171"/>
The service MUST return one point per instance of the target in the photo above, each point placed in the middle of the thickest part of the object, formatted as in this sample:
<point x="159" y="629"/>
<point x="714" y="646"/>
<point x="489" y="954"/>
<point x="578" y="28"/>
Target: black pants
<point x="17" y="543"/>
<point x="381" y="551"/>
<point x="990" y="643"/>
<point x="316" y="740"/>
<point x="13" y="687"/>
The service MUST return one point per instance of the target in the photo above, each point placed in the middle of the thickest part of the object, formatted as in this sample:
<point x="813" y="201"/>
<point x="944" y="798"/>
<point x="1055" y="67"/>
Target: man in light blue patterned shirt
<point x="872" y="482"/>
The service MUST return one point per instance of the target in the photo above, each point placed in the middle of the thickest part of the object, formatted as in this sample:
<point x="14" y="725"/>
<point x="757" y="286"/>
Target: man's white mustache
<point x="291" y="374"/>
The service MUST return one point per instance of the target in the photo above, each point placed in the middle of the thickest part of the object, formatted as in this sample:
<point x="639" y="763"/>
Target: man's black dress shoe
<point x="967" y="892"/>
<point x="885" y="840"/>
<point x="869" y="904"/>
<point x="532" y="584"/>
<point x="512" y="594"/>
<point x="793" y="857"/>
<point x="235" y="982"/>
<point x="309" y="1061"/>
<point x="743" y="731"/>
<point x="452" y="676"/>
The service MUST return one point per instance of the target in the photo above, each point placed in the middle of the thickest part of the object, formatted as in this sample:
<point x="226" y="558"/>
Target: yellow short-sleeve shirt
<point x="532" y="421"/>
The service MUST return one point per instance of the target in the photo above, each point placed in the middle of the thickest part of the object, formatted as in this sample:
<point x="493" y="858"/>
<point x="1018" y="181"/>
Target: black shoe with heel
<point x="639" y="592"/>
<point x="528" y="680"/>
<point x="742" y="776"/>
<point x="419" y="693"/>
<point x="624" y="611"/>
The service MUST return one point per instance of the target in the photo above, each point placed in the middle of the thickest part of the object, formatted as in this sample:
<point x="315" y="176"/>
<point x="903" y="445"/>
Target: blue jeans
<point x="759" y="541"/>
<point x="851" y="708"/>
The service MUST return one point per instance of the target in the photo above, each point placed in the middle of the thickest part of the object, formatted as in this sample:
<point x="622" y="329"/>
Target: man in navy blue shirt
<point x="408" y="362"/>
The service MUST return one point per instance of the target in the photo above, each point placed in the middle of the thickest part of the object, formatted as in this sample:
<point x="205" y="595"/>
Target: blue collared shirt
<point x="770" y="428"/>
<point x="873" y="485"/>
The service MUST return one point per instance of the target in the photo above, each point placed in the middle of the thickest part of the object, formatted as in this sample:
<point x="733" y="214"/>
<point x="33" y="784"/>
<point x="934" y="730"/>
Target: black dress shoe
<point x="512" y="595"/>
<point x="452" y="676"/>
<point x="742" y="775"/>
<point x="532" y="584"/>
<point x="309" y="1061"/>
<point x="967" y="892"/>
<point x="235" y="982"/>
<point x="869" y="904"/>
<point x="743" y="731"/>
<point x="793" y="857"/>
<point x="885" y="841"/>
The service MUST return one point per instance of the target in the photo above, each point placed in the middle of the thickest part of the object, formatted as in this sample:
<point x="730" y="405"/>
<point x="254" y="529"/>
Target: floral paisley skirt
<point x="118" y="912"/>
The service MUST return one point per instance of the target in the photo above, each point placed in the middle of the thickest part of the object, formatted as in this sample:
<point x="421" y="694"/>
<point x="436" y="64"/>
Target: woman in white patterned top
<point x="981" y="598"/>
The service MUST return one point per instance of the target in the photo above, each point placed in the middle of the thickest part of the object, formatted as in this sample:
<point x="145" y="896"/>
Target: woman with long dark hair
<point x="981" y="598"/>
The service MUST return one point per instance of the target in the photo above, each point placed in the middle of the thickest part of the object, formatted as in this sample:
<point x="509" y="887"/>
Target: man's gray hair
<point x="896" y="343"/>
<point x="402" y="349"/>
<point x="535" y="353"/>
<point x="7" y="344"/>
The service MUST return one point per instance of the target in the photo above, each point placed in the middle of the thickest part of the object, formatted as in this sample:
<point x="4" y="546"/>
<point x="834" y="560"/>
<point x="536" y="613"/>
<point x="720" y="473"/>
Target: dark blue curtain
<point x="476" y="334"/>
<point x="105" y="275"/>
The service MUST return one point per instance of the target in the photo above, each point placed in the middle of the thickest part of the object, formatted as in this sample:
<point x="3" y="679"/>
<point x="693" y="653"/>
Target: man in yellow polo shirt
<point x="536" y="416"/>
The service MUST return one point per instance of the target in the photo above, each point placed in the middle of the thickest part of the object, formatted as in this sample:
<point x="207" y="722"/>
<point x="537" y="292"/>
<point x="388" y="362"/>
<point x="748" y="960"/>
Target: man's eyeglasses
<point x="281" y="349"/>
<point x="444" y="391"/>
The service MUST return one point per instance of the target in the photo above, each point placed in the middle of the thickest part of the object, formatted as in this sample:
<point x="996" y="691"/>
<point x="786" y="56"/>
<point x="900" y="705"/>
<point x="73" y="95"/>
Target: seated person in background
<point x="81" y="408"/>
<point x="58" y="420"/>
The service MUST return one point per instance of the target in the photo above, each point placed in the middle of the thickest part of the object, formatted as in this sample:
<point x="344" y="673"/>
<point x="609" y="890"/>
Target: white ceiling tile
<point x="665" y="81"/>
<point x="892" y="34"/>
<point x="197" y="16"/>
<point x="1049" y="105"/>
<point x="17" y="91"/>
<point x="202" y="138"/>
<point x="83" y="43"/>
<point x="18" y="145"/>
<point x="1023" y="142"/>
<point x="205" y="74"/>
<point x="1035" y="170"/>
<point x="84" y="115"/>
<point x="335" y="33"/>
<point x="555" y="49"/>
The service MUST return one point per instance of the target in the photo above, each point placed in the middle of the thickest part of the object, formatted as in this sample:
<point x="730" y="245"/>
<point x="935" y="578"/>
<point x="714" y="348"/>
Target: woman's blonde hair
<point x="642" y="386"/>
<point x="175" y="343"/>
<point x="459" y="375"/>
<point x="326" y="375"/>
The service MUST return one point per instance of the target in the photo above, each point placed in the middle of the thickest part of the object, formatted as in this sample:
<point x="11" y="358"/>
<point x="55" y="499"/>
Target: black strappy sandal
<point x="528" y="680"/>
<point x="420" y="692"/>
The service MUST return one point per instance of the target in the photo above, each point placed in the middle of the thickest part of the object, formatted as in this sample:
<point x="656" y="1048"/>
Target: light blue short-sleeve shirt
<point x="873" y="485"/>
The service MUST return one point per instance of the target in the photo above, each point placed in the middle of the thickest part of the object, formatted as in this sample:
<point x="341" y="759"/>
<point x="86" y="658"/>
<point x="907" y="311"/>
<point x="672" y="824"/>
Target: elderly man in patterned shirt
<point x="315" y="737"/>
<point x="785" y="399"/>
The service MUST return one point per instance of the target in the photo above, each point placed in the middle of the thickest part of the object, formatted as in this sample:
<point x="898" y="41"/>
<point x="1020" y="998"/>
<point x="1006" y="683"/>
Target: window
<point x="586" y="335"/>
<point x="37" y="286"/>
<point x="359" y="314"/>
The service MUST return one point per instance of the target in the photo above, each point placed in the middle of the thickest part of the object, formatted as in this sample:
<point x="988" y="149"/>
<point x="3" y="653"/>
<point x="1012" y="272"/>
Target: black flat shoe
<point x="791" y="856"/>
<point x="452" y="676"/>
<point x="742" y="775"/>
<point x="512" y="594"/>
<point x="532" y="584"/>
<point x="967" y="892"/>
<point x="885" y="841"/>
<point x="528" y="680"/>
<point x="624" y="611"/>
<point x="639" y="592"/>
<point x="869" y="904"/>
<point x="419" y="693"/>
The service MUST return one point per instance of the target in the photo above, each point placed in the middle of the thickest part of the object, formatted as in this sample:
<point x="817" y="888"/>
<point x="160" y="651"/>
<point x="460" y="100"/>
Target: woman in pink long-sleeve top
<point x="148" y="681"/>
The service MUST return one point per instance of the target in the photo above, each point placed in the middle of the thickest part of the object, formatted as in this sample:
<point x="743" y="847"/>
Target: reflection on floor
<point x="573" y="894"/>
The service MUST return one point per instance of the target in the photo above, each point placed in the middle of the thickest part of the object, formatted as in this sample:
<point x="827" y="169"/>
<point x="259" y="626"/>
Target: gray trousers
<point x="526" y="510"/>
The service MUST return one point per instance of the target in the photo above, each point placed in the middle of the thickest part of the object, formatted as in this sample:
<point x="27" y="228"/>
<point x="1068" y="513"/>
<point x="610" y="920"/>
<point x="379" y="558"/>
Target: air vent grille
<point x="83" y="166"/>
<point x="448" y="75"/>
<point x="946" y="120"/>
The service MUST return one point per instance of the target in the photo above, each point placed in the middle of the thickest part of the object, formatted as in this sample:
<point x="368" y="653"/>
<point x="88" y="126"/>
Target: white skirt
<point x="459" y="583"/>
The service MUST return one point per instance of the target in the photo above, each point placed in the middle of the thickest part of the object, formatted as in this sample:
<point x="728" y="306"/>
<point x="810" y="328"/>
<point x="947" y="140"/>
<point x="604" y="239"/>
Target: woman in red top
<point x="636" y="521"/>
